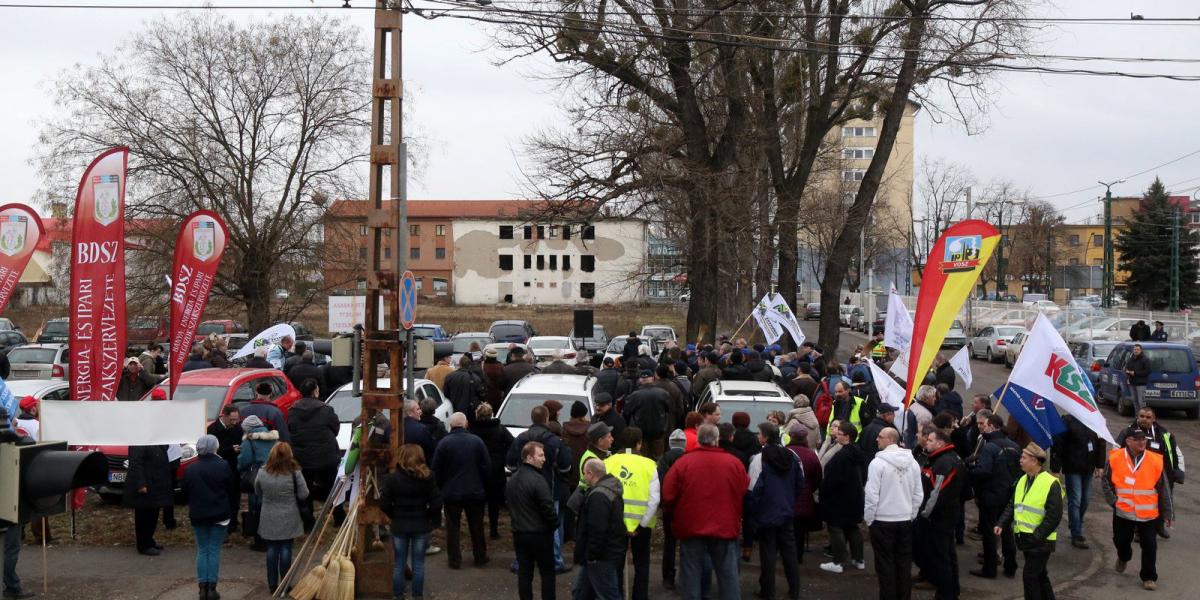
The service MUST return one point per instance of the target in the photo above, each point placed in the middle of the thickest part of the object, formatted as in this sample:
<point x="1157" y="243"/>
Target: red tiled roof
<point x="480" y="209"/>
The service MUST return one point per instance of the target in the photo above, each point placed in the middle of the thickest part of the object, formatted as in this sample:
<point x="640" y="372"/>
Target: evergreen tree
<point x="1144" y="247"/>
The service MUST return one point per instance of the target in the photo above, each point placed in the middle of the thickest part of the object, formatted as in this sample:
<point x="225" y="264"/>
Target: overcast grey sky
<point x="1049" y="133"/>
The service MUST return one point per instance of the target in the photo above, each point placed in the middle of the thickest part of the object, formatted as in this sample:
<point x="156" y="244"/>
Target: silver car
<point x="991" y="342"/>
<point x="39" y="361"/>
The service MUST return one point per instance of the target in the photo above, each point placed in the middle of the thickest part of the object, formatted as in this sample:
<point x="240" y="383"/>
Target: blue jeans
<point x="12" y="551"/>
<point x="1079" y="487"/>
<point x="279" y="560"/>
<point x="208" y="552"/>
<point x="408" y="545"/>
<point x="596" y="581"/>
<point x="694" y="553"/>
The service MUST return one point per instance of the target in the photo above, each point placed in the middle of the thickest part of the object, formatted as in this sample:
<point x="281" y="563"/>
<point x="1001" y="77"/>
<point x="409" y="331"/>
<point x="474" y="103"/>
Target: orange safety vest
<point x="1137" y="496"/>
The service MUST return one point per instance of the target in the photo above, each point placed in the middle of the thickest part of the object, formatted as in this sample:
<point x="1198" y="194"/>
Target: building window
<point x="506" y="232"/>
<point x="1097" y="240"/>
<point x="566" y="262"/>
<point x="588" y="232"/>
<point x="1074" y="262"/>
<point x="362" y="254"/>
<point x="587" y="262"/>
<point x="387" y="232"/>
<point x="527" y="284"/>
<point x="414" y="230"/>
<point x="541" y="231"/>
<point x="361" y="283"/>
<point x="1196" y="218"/>
<point x="362" y="230"/>
<point x="541" y="262"/>
<point x="553" y="284"/>
<point x="528" y="261"/>
<point x="567" y="229"/>
<point x="387" y="254"/>
<point x="587" y="290"/>
<point x="439" y="253"/>
<point x="439" y="230"/>
<point x="1097" y="262"/>
<point x="554" y="232"/>
<point x="553" y="262"/>
<point x="1073" y="240"/>
<point x="858" y="132"/>
<point x="506" y="262"/>
<point x="541" y="284"/>
<point x="440" y="286"/>
<point x="857" y="153"/>
<point x="853" y="175"/>
<point x="529" y="232"/>
<point x="414" y="253"/>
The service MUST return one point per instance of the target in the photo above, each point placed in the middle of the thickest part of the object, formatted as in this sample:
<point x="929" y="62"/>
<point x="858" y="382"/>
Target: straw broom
<point x="346" y="575"/>
<point x="310" y="582"/>
<point x="341" y="548"/>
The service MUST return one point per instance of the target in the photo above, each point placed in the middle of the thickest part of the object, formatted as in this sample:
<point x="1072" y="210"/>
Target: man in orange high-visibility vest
<point x="1135" y="485"/>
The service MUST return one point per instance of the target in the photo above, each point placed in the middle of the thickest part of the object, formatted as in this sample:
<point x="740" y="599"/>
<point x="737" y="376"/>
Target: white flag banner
<point x="269" y="337"/>
<point x="763" y="315"/>
<point x="1047" y="368"/>
<point x="898" y="327"/>
<point x="889" y="392"/>
<point x="961" y="363"/>
<point x="783" y="315"/>
<point x="899" y="366"/>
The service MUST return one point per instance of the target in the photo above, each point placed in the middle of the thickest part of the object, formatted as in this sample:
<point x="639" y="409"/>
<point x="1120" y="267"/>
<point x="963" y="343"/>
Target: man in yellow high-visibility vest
<point x="1034" y="512"/>
<point x="640" y="489"/>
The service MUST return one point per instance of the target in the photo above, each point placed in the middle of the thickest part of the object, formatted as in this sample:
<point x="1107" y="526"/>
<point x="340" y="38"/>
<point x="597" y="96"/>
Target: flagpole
<point x="739" y="329"/>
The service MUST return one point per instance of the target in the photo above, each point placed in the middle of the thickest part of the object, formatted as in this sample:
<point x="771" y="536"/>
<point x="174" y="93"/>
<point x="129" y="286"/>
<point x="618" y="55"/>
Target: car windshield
<point x="758" y="393"/>
<point x="463" y="344"/>
<point x="55" y="328"/>
<point x="32" y="355"/>
<point x="347" y="407"/>
<point x="657" y="332"/>
<point x="516" y="408"/>
<point x="425" y="332"/>
<point x="236" y="343"/>
<point x="756" y="409"/>
<point x="1101" y="350"/>
<point x="549" y="344"/>
<point x="213" y="396"/>
<point x="617" y="344"/>
<point x="1008" y="331"/>
<point x="1169" y="360"/>
<point x="207" y="328"/>
<point x="505" y="331"/>
<point x="597" y="332"/>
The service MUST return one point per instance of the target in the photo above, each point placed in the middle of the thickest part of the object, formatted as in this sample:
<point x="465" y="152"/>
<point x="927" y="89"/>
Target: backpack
<point x="823" y="403"/>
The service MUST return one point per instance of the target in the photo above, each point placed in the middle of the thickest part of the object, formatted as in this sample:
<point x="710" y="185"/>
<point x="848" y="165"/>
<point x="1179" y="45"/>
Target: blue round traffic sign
<point x="408" y="300"/>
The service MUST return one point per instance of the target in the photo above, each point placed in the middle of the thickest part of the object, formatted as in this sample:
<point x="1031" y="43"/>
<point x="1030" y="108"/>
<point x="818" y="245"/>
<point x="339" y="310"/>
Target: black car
<point x="11" y="339"/>
<point x="511" y="331"/>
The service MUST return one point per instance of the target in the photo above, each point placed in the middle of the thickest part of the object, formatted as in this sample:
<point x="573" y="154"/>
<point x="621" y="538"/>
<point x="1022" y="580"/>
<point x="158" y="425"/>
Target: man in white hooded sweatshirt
<point x="893" y="498"/>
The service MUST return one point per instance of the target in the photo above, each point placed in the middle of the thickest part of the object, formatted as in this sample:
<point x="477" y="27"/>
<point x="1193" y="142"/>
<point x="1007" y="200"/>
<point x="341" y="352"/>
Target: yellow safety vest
<point x="1029" y="507"/>
<point x="635" y="473"/>
<point x="587" y="454"/>
<point x="855" y="416"/>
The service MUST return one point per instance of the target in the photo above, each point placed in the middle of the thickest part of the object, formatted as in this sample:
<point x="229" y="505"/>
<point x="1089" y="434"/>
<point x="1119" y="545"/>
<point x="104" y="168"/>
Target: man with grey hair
<point x="415" y="432"/>
<point x="460" y="465"/>
<point x="703" y="492"/>
<point x="601" y="536"/>
<point x="557" y="366"/>
<point x="923" y="407"/>
<point x="259" y="359"/>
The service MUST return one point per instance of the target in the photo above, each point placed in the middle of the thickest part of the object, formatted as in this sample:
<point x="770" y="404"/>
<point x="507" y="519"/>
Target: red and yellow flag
<point x="950" y="274"/>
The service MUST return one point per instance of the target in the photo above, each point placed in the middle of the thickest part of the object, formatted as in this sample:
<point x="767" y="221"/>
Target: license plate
<point x="1166" y="385"/>
<point x="1151" y="393"/>
<point x="29" y="374"/>
<point x="116" y="476"/>
<point x="1183" y="394"/>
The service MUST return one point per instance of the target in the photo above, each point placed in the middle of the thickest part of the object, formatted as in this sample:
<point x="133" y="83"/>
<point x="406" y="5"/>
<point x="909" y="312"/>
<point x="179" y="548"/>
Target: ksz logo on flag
<point x="12" y="235"/>
<point x="106" y="199"/>
<point x="1067" y="381"/>
<point x="203" y="239"/>
<point x="962" y="253"/>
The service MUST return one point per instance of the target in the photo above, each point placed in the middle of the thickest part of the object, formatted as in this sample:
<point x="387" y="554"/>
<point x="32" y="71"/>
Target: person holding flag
<point x="1078" y="455"/>
<point x="1135" y="485"/>
<point x="1034" y="513"/>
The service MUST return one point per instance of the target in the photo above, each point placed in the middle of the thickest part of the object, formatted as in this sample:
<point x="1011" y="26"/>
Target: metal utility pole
<point x="1109" y="270"/>
<point x="385" y="213"/>
<point x="1174" y="303"/>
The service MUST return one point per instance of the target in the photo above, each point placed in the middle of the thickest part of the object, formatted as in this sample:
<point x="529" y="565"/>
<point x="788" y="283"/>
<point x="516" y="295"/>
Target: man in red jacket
<point x="704" y="491"/>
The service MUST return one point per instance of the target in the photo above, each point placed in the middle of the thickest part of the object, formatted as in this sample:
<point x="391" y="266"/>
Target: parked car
<point x="544" y="347"/>
<point x="219" y="327"/>
<point x="1044" y="306"/>
<point x="54" y="331"/>
<point x="616" y="347"/>
<point x="956" y="336"/>
<point x="535" y="389"/>
<point x="1173" y="381"/>
<point x="991" y="341"/>
<point x="854" y="314"/>
<point x="858" y="319"/>
<point x="997" y="297"/>
<point x="217" y="387"/>
<point x="42" y="389"/>
<point x="11" y="339"/>
<point x="844" y="312"/>
<point x="1091" y="300"/>
<point x="431" y="331"/>
<point x="757" y="398"/>
<point x="460" y="344"/>
<point x="502" y="350"/>
<point x="812" y="310"/>
<point x="1090" y="358"/>
<point x="1118" y="330"/>
<point x="6" y="324"/>
<point x="349" y="407"/>
<point x="1012" y="350"/>
<point x="141" y="331"/>
<point x="39" y="361"/>
<point x="511" y="331"/>
<point x="662" y="333"/>
<point x="594" y="344"/>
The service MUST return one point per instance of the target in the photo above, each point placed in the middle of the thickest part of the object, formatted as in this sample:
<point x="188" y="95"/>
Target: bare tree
<point x="262" y="123"/>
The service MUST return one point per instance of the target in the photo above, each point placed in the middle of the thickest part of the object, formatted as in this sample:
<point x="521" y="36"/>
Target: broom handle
<point x="314" y="543"/>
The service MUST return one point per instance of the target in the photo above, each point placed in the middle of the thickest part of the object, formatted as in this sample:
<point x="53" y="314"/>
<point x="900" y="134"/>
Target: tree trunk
<point x="702" y="309"/>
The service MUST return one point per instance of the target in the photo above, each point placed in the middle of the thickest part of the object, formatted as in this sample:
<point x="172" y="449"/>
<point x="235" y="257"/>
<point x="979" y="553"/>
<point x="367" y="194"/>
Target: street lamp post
<point x="1109" y="271"/>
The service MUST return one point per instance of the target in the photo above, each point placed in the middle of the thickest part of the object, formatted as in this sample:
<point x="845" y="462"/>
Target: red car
<point x="217" y="387"/>
<point x="143" y="330"/>
<point x="219" y="327"/>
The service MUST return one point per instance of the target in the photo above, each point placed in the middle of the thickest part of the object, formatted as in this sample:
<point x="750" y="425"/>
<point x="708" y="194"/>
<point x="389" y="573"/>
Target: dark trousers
<point x="320" y="483"/>
<point x="534" y="550"/>
<point x="775" y="543"/>
<point x="1035" y="578"/>
<point x="988" y="518"/>
<point x="597" y="581"/>
<point x="941" y="559"/>
<point x="454" y="512"/>
<point x="12" y="551"/>
<point x="145" y="523"/>
<point x="668" y="553"/>
<point x="893" y="546"/>
<point x="495" y="500"/>
<point x="639" y="547"/>
<point x="653" y="447"/>
<point x="1147" y="531"/>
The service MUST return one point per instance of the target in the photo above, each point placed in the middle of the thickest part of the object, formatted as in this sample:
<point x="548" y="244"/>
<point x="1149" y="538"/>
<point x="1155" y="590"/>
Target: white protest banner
<point x="898" y="327"/>
<point x="899" y="366"/>
<point x="269" y="337"/>
<point x="762" y="314"/>
<point x="146" y="423"/>
<point x="783" y="315"/>
<point x="961" y="363"/>
<point x="889" y="392"/>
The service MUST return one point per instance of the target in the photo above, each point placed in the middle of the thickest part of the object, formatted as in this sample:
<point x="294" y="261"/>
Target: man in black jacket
<point x="557" y="468"/>
<point x="463" y="388"/>
<point x="460" y="465"/>
<point x="676" y="445"/>
<point x="304" y="369"/>
<point x="1037" y="544"/>
<point x="943" y="481"/>
<point x="534" y="522"/>
<point x="314" y="428"/>
<point x="993" y="473"/>
<point x="517" y="368"/>
<point x="648" y="408"/>
<point x="868" y="442"/>
<point x="601" y="535"/>
<point x="1078" y="454"/>
<point x="630" y="351"/>
<point x="1137" y="370"/>
<point x="608" y="377"/>
<point x="605" y="413"/>
<point x="228" y="431"/>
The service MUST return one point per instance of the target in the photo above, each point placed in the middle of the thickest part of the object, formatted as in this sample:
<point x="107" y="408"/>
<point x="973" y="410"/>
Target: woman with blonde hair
<point x="410" y="497"/>
<point x="281" y="487"/>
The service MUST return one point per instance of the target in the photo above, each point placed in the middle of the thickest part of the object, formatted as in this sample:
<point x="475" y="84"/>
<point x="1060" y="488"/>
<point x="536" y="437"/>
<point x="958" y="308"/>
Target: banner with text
<point x="20" y="231"/>
<point x="97" y="309"/>
<point x="198" y="250"/>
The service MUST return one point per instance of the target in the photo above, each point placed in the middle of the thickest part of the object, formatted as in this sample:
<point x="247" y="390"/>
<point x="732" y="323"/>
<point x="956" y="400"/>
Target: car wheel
<point x="1125" y="409"/>
<point x="990" y="358"/>
<point x="1007" y="364"/>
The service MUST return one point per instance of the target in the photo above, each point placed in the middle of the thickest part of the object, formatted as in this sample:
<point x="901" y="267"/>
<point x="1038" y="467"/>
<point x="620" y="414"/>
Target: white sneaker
<point x="431" y="550"/>
<point x="831" y="567"/>
<point x="861" y="565"/>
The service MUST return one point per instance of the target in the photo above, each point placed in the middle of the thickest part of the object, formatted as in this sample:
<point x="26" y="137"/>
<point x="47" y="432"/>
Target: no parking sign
<point x="408" y="300"/>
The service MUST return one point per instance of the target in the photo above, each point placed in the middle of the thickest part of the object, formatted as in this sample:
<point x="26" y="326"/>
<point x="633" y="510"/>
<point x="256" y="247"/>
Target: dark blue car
<point x="1090" y="356"/>
<point x="1173" y="382"/>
